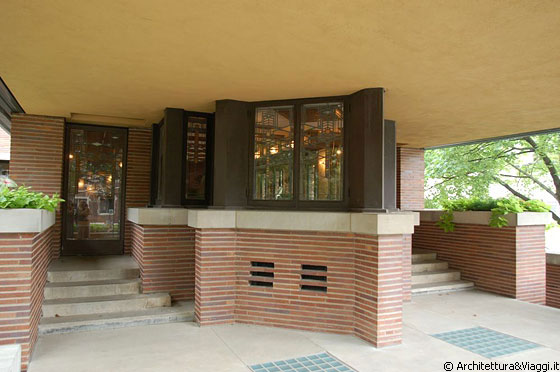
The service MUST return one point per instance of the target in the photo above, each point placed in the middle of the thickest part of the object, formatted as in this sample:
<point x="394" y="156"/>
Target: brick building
<point x="200" y="186"/>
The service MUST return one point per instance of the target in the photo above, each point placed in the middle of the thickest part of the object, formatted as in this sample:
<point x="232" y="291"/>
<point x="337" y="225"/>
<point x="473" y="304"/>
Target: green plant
<point x="23" y="197"/>
<point x="498" y="207"/>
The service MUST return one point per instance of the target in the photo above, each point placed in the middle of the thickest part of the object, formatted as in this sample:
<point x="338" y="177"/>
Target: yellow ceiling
<point x="454" y="70"/>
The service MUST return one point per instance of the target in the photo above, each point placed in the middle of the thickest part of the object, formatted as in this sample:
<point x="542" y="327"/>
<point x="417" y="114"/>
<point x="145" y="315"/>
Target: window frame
<point x="296" y="203"/>
<point x="209" y="160"/>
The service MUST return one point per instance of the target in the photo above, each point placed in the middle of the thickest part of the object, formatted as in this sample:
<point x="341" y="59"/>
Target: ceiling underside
<point x="454" y="70"/>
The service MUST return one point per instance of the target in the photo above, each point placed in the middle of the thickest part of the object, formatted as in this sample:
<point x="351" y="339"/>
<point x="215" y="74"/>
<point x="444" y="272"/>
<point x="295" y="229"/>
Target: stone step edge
<point x="77" y="300"/>
<point x="441" y="287"/>
<point x="73" y="324"/>
<point x="92" y="283"/>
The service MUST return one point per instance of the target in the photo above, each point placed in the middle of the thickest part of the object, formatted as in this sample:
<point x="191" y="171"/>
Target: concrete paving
<point x="187" y="347"/>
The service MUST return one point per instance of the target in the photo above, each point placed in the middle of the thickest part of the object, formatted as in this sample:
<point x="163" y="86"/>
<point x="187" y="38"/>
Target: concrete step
<point x="92" y="275"/>
<point x="421" y="255"/>
<point x="450" y="286"/>
<point x="429" y="265"/>
<point x="180" y="312"/>
<point x="96" y="288"/>
<point x="104" y="304"/>
<point x="435" y="276"/>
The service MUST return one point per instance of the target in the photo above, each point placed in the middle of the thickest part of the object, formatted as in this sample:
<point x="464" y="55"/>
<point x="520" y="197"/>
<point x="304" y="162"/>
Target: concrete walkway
<point x="187" y="347"/>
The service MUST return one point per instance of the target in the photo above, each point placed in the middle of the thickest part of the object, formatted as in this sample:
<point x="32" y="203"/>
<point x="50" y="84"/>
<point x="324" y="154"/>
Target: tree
<point x="521" y="166"/>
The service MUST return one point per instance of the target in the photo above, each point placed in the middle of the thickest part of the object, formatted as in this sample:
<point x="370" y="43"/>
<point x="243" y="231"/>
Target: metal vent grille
<point x="261" y="274"/>
<point x="313" y="278"/>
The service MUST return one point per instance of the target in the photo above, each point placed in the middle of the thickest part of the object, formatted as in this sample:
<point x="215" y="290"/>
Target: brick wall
<point x="407" y="267"/>
<point x="37" y="148"/>
<point x="553" y="285"/>
<point x="410" y="178"/>
<point x="137" y="175"/>
<point x="24" y="259"/>
<point x="509" y="261"/>
<point x="4" y="145"/>
<point x="165" y="255"/>
<point x="363" y="281"/>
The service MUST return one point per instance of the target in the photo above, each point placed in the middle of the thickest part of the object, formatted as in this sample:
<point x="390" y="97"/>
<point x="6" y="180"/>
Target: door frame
<point x="93" y="247"/>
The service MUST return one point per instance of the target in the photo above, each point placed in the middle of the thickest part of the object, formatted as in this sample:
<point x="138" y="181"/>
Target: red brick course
<point x="509" y="261"/>
<point x="37" y="150"/>
<point x="553" y="285"/>
<point x="363" y="279"/>
<point x="137" y="175"/>
<point x="165" y="255"/>
<point x="24" y="259"/>
<point x="410" y="178"/>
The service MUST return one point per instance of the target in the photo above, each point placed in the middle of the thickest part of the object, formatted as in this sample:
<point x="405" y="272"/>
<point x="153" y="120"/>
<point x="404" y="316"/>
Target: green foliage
<point x="22" y="197"/>
<point x="521" y="166"/>
<point x="498" y="207"/>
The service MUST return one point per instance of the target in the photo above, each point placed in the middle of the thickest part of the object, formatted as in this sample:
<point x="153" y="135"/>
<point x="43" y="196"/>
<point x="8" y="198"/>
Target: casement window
<point x="298" y="153"/>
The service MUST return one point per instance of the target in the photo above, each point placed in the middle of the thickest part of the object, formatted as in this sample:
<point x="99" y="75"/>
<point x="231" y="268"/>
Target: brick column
<point x="410" y="178"/>
<point x="24" y="258"/>
<point x="4" y="145"/>
<point x="215" y="276"/>
<point x="36" y="158"/>
<point x="379" y="290"/>
<point x="138" y="173"/>
<point x="165" y="255"/>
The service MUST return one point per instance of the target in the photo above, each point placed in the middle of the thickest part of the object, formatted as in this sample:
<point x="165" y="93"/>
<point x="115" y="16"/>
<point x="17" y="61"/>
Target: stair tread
<point x="429" y="262"/>
<point x="177" y="308"/>
<point x="455" y="283"/>
<point x="91" y="282"/>
<point x="419" y="251"/>
<point x="436" y="272"/>
<point x="61" y="301"/>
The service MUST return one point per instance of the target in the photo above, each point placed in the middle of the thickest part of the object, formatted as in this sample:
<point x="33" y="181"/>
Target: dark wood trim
<point x="93" y="247"/>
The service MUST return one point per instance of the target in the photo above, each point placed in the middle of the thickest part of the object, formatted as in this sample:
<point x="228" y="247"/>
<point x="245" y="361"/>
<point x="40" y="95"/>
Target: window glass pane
<point x="321" y="171"/>
<point x="196" y="158"/>
<point x="95" y="162"/>
<point x="274" y="153"/>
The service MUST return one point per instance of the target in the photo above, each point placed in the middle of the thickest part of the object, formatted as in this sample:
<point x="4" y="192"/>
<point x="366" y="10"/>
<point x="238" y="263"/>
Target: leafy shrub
<point x="498" y="207"/>
<point x="22" y="197"/>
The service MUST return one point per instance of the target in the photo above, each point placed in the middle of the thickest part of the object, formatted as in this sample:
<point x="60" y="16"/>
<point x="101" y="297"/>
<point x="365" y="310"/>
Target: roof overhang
<point x="454" y="71"/>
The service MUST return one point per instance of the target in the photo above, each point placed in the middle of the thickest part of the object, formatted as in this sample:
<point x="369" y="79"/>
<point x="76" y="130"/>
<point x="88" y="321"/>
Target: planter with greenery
<point x="494" y="212"/>
<point x="22" y="210"/>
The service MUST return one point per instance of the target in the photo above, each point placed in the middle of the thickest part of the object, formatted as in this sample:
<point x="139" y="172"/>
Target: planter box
<point x="483" y="217"/>
<point x="25" y="220"/>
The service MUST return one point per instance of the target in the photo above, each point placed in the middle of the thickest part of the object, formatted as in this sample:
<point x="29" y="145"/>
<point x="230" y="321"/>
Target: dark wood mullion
<point x="297" y="153"/>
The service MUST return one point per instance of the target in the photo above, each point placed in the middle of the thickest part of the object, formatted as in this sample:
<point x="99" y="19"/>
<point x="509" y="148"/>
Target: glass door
<point x="94" y="180"/>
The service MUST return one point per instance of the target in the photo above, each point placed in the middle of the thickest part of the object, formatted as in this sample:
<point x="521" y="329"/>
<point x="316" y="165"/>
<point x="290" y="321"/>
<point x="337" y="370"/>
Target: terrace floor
<point x="187" y="347"/>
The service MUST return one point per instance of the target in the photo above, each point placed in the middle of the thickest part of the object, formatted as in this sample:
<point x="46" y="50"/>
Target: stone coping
<point x="553" y="258"/>
<point x="25" y="220"/>
<point x="366" y="223"/>
<point x="483" y="217"/>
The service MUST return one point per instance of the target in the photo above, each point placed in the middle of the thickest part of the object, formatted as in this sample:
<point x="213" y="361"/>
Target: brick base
<point x="37" y="148"/>
<point x="165" y="255"/>
<point x="553" y="285"/>
<point x="509" y="261"/>
<point x="362" y="276"/>
<point x="24" y="259"/>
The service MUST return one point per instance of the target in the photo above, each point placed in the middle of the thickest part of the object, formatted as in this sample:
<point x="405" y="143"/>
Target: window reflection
<point x="274" y="153"/>
<point x="95" y="162"/>
<point x="321" y="171"/>
<point x="197" y="128"/>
